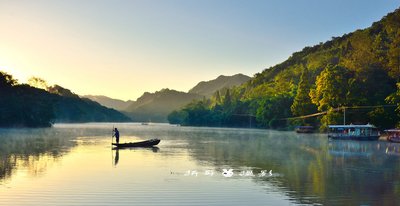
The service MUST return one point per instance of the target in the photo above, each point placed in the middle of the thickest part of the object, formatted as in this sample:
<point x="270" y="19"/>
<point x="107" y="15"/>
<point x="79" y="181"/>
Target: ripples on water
<point x="73" y="164"/>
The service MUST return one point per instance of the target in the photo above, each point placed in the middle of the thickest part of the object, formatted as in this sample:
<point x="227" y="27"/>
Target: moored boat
<point x="304" y="129"/>
<point x="353" y="132"/>
<point x="147" y="143"/>
<point x="393" y="135"/>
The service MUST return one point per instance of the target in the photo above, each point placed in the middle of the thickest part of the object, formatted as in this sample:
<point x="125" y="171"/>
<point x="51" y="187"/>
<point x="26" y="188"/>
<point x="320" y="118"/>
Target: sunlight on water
<point x="74" y="164"/>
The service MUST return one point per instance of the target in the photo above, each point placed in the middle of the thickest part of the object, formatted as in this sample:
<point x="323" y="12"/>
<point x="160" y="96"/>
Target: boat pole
<point x="344" y="115"/>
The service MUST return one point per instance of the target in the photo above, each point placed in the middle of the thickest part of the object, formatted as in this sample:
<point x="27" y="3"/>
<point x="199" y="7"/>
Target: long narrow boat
<point x="353" y="132"/>
<point x="304" y="129"/>
<point x="147" y="143"/>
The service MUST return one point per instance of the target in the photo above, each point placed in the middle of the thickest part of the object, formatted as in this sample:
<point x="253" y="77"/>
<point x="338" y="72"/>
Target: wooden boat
<point x="147" y="143"/>
<point x="353" y="132"/>
<point x="393" y="135"/>
<point x="304" y="129"/>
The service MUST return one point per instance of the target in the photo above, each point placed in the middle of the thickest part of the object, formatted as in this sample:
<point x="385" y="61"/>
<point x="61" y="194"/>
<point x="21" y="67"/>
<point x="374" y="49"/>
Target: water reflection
<point x="32" y="149"/>
<point x="116" y="159"/>
<point x="116" y="151"/>
<point x="312" y="170"/>
<point x="392" y="149"/>
<point x="307" y="169"/>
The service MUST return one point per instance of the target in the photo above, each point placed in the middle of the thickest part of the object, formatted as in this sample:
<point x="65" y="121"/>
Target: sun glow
<point x="17" y="74"/>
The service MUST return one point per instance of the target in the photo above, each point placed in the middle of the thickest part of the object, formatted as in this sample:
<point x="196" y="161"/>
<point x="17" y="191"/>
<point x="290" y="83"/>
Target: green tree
<point x="383" y="117"/>
<point x="394" y="57"/>
<point x="332" y="117"/>
<point x="227" y="99"/>
<point x="197" y="113"/>
<point x="331" y="88"/>
<point x="395" y="99"/>
<point x="216" y="98"/>
<point x="302" y="104"/>
<point x="177" y="117"/>
<point x="272" y="111"/>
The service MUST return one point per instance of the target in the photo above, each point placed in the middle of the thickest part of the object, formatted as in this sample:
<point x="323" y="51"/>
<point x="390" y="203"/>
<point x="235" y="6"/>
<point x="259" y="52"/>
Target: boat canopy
<point x="352" y="126"/>
<point x="305" y="127"/>
<point x="392" y="130"/>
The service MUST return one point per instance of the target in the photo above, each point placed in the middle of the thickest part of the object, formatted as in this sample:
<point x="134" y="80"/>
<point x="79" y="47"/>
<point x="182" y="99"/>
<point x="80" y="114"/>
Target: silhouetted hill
<point x="24" y="106"/>
<point x="110" y="102"/>
<point x="156" y="106"/>
<point x="69" y="107"/>
<point x="208" y="88"/>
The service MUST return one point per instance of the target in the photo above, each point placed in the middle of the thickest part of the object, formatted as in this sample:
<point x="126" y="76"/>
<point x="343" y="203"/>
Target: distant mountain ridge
<point x="208" y="88"/>
<point x="110" y="102"/>
<point x="156" y="106"/>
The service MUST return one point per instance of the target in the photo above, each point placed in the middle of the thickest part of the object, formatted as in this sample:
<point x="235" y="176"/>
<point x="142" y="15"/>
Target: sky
<point x="123" y="48"/>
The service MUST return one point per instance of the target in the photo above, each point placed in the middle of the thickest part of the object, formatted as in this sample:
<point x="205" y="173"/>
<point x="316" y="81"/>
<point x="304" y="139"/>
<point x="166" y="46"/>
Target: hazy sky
<point x="123" y="48"/>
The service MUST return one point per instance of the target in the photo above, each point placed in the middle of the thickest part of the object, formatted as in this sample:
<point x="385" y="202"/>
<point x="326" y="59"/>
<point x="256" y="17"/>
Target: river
<point x="74" y="164"/>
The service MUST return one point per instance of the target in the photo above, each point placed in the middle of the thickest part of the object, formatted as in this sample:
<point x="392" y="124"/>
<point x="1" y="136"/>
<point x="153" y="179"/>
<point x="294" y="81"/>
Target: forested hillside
<point x="154" y="107"/>
<point x="357" y="69"/>
<point x="22" y="105"/>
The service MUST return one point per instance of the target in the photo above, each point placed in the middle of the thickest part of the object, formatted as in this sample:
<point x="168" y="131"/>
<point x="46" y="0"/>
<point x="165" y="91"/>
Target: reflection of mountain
<point x="34" y="150"/>
<point x="309" y="172"/>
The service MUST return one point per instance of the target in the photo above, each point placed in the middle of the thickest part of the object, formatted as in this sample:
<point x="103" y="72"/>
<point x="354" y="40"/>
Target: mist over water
<point x="74" y="164"/>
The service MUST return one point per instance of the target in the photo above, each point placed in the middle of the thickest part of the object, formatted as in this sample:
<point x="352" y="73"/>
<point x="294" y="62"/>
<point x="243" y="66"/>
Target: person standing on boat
<point x="116" y="135"/>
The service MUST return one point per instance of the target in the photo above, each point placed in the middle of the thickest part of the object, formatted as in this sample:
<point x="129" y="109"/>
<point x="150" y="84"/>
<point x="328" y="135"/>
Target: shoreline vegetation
<point x="357" y="70"/>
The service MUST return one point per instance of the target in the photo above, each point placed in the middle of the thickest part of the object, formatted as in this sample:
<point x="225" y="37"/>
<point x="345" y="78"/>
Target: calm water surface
<point x="74" y="164"/>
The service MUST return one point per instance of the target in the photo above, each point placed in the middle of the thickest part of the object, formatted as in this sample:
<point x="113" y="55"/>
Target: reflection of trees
<point x="312" y="169"/>
<point x="33" y="149"/>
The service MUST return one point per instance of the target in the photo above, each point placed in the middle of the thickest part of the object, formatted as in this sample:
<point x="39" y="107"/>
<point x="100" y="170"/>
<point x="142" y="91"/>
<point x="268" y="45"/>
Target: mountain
<point x="24" y="106"/>
<point x="208" y="88"/>
<point x="110" y="102"/>
<point x="156" y="106"/>
<point x="357" y="69"/>
<point x="69" y="107"/>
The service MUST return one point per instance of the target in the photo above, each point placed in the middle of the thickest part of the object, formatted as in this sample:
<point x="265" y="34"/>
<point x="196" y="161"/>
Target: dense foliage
<point x="22" y="105"/>
<point x="354" y="71"/>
